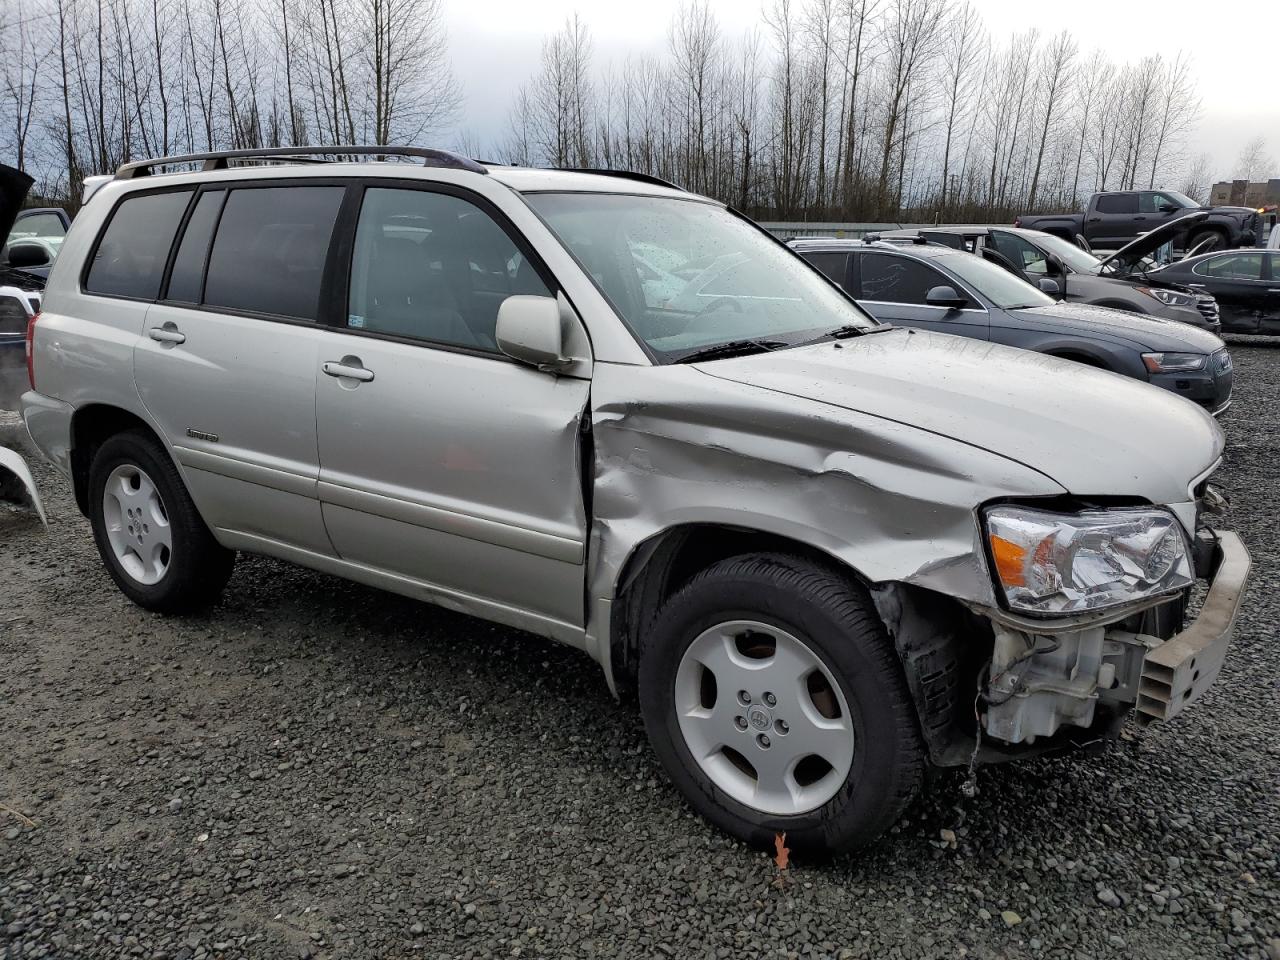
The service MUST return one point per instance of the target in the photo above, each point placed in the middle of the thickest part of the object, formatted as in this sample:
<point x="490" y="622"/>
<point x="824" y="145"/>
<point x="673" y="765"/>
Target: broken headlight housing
<point x="1056" y="563"/>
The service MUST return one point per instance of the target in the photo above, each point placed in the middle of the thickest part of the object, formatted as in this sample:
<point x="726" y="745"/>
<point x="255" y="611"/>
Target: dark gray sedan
<point x="939" y="288"/>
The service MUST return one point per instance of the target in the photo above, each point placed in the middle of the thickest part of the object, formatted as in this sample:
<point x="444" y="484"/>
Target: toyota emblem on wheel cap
<point x="759" y="717"/>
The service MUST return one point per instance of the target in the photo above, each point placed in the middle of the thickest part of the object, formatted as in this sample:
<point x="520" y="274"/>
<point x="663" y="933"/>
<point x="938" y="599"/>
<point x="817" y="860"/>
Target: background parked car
<point x="1246" y="284"/>
<point x="20" y="289"/>
<point x="939" y="288"/>
<point x="1122" y="281"/>
<point x="1118" y="217"/>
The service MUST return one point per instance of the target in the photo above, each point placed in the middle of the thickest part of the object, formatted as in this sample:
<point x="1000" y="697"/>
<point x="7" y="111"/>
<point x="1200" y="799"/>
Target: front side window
<point x="687" y="275"/>
<point x="269" y="253"/>
<point x="1118" y="203"/>
<point x="1025" y="256"/>
<point x="43" y="226"/>
<point x="435" y="267"/>
<point x="1235" y="266"/>
<point x="890" y="279"/>
<point x="130" y="256"/>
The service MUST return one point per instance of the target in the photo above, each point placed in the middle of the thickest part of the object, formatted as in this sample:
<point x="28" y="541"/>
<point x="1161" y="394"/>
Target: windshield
<point x="686" y="275"/>
<point x="994" y="283"/>
<point x="1077" y="260"/>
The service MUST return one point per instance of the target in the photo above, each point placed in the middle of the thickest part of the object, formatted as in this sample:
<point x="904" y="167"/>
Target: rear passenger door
<point x="894" y="288"/>
<point x="226" y="363"/>
<point x="1111" y="223"/>
<point x="1238" y="282"/>
<point x="442" y="462"/>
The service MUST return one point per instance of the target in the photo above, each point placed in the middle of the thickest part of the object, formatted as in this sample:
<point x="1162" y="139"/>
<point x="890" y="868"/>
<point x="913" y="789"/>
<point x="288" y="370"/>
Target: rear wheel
<point x="775" y="700"/>
<point x="148" y="533"/>
<point x="1216" y="240"/>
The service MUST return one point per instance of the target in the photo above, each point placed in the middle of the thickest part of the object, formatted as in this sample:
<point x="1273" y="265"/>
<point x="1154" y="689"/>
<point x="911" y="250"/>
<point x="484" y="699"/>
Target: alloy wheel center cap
<point x="759" y="717"/>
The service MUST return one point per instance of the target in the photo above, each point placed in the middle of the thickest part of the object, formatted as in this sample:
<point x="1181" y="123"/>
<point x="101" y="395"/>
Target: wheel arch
<point x="927" y="629"/>
<point x="91" y="426"/>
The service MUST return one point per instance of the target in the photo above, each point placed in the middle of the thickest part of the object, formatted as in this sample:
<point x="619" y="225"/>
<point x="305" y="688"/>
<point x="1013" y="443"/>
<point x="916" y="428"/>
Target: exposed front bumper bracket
<point x="1179" y="670"/>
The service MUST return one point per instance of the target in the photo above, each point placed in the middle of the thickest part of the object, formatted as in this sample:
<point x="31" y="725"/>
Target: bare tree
<point x="1254" y="163"/>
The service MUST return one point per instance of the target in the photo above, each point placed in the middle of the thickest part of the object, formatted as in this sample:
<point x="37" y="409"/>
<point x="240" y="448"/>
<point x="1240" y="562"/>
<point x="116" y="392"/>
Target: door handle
<point x="1095" y="219"/>
<point x="167" y="334"/>
<point x="348" y="368"/>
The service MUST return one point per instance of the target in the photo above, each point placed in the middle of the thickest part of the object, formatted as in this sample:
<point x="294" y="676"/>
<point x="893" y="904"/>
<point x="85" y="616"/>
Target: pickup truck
<point x="1118" y="217"/>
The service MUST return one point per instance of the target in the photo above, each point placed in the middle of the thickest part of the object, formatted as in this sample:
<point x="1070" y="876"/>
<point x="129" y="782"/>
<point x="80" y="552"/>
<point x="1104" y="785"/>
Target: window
<point x="1234" y="266"/>
<point x="832" y="265"/>
<point x="47" y="226"/>
<point x="269" y="252"/>
<point x="1023" y="254"/>
<point x="434" y="267"/>
<point x="1117" y="203"/>
<point x="188" y="266"/>
<point x="891" y="279"/>
<point x="1155" y="202"/>
<point x="131" y="254"/>
<point x="685" y="274"/>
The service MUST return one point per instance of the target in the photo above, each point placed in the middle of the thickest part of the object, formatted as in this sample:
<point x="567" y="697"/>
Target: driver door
<point x="444" y="463"/>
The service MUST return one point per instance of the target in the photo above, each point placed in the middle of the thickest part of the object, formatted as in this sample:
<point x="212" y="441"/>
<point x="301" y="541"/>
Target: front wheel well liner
<point x="91" y="426"/>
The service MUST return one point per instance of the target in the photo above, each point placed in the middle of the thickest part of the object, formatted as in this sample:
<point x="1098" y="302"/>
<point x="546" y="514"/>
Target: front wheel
<point x="775" y="701"/>
<point x="148" y="533"/>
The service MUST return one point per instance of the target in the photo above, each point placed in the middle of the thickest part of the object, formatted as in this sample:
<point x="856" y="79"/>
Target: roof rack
<point x="218" y="160"/>
<point x="625" y="175"/>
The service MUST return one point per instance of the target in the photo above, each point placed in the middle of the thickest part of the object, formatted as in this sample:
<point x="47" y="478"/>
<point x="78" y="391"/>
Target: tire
<point x="170" y="562"/>
<point x="755" y="600"/>
<point x="1219" y="238"/>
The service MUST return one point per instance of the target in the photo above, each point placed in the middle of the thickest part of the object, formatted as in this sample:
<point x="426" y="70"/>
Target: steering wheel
<point x="716" y="304"/>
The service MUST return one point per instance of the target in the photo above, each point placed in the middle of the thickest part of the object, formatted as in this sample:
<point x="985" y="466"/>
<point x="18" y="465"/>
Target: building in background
<point x="1242" y="193"/>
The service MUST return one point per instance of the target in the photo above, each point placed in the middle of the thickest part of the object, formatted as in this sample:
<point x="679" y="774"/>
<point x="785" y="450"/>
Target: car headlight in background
<point x="1056" y="563"/>
<point x="1174" y="362"/>
<point x="1170" y="298"/>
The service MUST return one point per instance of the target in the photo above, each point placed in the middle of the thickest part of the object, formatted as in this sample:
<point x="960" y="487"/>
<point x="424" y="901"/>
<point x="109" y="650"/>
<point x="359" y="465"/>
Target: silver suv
<point x="824" y="553"/>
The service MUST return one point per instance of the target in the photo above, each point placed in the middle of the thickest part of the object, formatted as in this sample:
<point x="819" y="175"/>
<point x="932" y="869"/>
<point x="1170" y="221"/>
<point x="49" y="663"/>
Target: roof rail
<point x="217" y="160"/>
<point x="625" y="175"/>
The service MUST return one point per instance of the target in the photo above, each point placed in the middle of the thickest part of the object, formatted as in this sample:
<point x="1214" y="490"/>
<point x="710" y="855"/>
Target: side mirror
<point x="944" y="296"/>
<point x="1169" y="208"/>
<point x="1050" y="286"/>
<point x="27" y="255"/>
<point x="528" y="330"/>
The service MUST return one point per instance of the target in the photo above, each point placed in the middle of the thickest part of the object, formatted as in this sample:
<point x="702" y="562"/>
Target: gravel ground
<point x="316" y="769"/>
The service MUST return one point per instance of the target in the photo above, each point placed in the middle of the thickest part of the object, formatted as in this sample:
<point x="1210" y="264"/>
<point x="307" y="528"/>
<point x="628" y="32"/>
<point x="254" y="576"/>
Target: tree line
<point x="828" y="109"/>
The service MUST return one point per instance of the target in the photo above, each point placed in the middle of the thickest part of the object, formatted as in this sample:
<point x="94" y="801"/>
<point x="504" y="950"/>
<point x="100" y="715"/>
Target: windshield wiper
<point x="731" y="348"/>
<point x="853" y="330"/>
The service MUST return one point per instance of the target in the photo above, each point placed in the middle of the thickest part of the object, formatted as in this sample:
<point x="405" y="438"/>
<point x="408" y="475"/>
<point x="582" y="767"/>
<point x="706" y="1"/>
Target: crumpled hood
<point x="1152" y="333"/>
<point x="1094" y="433"/>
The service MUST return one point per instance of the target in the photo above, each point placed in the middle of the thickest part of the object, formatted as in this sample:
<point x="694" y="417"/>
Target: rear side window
<point x="269" y="252"/>
<point x="131" y="254"/>
<point x="891" y="279"/>
<point x="188" y="265"/>
<point x="1234" y="266"/>
<point x="831" y="265"/>
<point x="1118" y="203"/>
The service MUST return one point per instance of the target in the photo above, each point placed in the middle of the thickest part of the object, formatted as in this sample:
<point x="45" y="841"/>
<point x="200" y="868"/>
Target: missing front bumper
<point x="1178" y="671"/>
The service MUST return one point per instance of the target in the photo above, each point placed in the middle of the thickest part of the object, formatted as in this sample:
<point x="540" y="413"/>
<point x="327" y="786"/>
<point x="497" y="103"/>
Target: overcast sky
<point x="495" y="46"/>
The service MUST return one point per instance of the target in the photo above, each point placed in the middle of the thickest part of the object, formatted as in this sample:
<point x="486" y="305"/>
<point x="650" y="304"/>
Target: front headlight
<point x="1055" y="563"/>
<point x="1174" y="362"/>
<point x="1170" y="298"/>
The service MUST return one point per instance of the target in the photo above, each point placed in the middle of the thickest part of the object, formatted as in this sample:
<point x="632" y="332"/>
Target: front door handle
<point x="169" y="333"/>
<point x="348" y="368"/>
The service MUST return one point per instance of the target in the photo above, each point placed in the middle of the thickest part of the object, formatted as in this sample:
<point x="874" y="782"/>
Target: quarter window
<point x="433" y="267"/>
<point x="830" y="264"/>
<point x="269" y="253"/>
<point x="1235" y="266"/>
<point x="130" y="257"/>
<point x="891" y="279"/>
